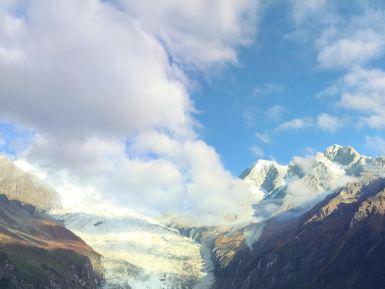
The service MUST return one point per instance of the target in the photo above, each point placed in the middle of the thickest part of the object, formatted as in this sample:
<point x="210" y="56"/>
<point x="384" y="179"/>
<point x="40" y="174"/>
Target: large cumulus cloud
<point x="104" y="87"/>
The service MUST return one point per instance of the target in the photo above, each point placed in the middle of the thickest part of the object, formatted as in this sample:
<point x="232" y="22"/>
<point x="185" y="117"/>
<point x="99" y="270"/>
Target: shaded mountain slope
<point x="339" y="243"/>
<point x="36" y="252"/>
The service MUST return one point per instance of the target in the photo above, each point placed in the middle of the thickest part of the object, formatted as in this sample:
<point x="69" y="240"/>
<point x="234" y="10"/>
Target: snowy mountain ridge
<point x="141" y="252"/>
<point x="305" y="179"/>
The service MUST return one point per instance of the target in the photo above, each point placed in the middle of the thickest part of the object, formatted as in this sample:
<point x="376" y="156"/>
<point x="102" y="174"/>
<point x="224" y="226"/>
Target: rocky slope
<point x="22" y="186"/>
<point x="39" y="253"/>
<point x="337" y="244"/>
<point x="318" y="224"/>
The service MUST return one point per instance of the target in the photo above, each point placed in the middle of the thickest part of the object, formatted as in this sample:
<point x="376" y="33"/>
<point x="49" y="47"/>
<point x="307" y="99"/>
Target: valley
<point x="315" y="221"/>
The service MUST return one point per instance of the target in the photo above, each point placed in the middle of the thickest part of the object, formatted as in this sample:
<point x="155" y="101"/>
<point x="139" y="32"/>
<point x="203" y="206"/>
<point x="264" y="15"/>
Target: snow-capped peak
<point x="307" y="178"/>
<point x="344" y="155"/>
<point x="265" y="174"/>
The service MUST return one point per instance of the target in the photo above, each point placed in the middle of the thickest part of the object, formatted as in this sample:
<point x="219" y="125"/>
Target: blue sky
<point x="232" y="113"/>
<point x="160" y="105"/>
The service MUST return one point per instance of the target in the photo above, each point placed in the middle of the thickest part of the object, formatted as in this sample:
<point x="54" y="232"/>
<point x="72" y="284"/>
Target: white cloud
<point x="362" y="91"/>
<point x="304" y="10"/>
<point x="328" y="122"/>
<point x="257" y="151"/>
<point x="275" y="112"/>
<point x="309" y="151"/>
<point x="263" y="137"/>
<point x="351" y="42"/>
<point x="266" y="89"/>
<point x="98" y="78"/>
<point x="249" y="116"/>
<point x="159" y="174"/>
<point x="2" y="141"/>
<point x="341" y="38"/>
<point x="323" y="121"/>
<point x="198" y="33"/>
<point x="79" y="74"/>
<point x="352" y="49"/>
<point x="295" y="124"/>
<point x="375" y="143"/>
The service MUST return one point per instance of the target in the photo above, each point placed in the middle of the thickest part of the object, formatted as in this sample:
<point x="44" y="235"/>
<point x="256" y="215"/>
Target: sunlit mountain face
<point x="192" y="144"/>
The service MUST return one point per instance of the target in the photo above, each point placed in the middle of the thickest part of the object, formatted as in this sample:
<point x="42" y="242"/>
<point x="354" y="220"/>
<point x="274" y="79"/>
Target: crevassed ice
<point x="140" y="253"/>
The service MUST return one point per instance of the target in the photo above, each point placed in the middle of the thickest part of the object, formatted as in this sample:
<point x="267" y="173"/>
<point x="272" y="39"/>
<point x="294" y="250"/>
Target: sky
<point x="160" y="105"/>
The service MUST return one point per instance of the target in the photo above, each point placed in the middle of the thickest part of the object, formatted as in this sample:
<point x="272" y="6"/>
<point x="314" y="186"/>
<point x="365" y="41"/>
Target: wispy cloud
<point x="353" y="41"/>
<point x="376" y="144"/>
<point x="352" y="44"/>
<point x="323" y="121"/>
<point x="257" y="151"/>
<point x="361" y="91"/>
<point x="329" y="123"/>
<point x="266" y="89"/>
<point x="295" y="124"/>
<point x="250" y="115"/>
<point x="263" y="137"/>
<point x="302" y="11"/>
<point x="276" y="112"/>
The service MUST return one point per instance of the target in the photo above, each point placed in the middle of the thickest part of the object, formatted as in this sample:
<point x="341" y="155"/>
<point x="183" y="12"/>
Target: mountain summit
<point x="306" y="179"/>
<point x="323" y="227"/>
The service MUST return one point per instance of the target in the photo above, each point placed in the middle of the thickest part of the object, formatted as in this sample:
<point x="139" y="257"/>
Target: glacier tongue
<point x="140" y="253"/>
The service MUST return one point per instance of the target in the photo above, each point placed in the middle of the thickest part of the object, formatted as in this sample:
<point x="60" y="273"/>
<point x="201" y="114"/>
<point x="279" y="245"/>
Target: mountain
<point x="139" y="252"/>
<point x="19" y="185"/>
<point x="39" y="248"/>
<point x="307" y="179"/>
<point x="266" y="176"/>
<point x="39" y="253"/>
<point x="321" y="225"/>
<point x="318" y="223"/>
<point x="302" y="224"/>
<point x="339" y="243"/>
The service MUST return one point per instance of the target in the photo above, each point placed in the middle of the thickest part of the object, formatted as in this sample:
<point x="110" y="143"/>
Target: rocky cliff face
<point x="339" y="243"/>
<point x="26" y="188"/>
<point x="37" y="252"/>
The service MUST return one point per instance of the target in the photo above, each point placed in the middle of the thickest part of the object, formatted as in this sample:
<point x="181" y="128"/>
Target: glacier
<point x="140" y="252"/>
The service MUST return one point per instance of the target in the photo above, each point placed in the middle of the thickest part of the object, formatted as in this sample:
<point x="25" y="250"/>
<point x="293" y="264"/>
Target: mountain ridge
<point x="305" y="179"/>
<point x="27" y="188"/>
<point x="291" y="202"/>
<point x="38" y="253"/>
<point x="334" y="245"/>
